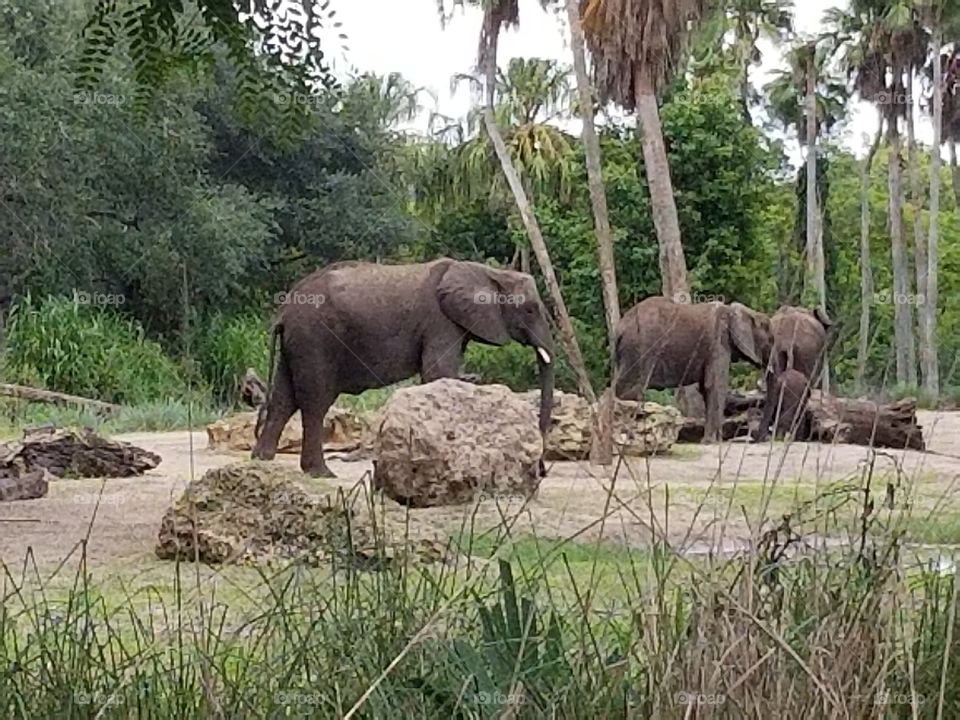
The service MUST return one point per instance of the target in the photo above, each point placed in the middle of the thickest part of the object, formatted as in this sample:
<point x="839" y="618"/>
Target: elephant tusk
<point x="544" y="354"/>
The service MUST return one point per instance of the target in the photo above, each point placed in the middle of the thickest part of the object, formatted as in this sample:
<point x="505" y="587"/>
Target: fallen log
<point x="863" y="422"/>
<point x="826" y="418"/>
<point x="64" y="453"/>
<point x="30" y="394"/>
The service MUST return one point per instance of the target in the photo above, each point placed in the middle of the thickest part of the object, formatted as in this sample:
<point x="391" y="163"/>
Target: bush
<point x="64" y="346"/>
<point x="227" y="347"/>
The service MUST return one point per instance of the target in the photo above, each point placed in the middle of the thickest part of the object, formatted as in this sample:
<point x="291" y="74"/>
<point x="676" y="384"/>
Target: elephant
<point x="789" y="392"/>
<point x="662" y="344"/>
<point x="799" y="339"/>
<point x="353" y="326"/>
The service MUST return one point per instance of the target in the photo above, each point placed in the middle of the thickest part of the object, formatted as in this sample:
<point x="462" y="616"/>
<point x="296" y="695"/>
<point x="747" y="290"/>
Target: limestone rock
<point x="252" y="511"/>
<point x="639" y="428"/>
<point x="343" y="431"/>
<point x="257" y="512"/>
<point x="446" y="442"/>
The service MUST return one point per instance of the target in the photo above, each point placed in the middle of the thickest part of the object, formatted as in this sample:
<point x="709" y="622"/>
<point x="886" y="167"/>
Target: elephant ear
<point x="820" y="314"/>
<point x="744" y="326"/>
<point x="468" y="296"/>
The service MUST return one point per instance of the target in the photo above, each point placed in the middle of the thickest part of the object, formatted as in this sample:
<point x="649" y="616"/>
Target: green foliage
<point x="227" y="347"/>
<point x="68" y="347"/>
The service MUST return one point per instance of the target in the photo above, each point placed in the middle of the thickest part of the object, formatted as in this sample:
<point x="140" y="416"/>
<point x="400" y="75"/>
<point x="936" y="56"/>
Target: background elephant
<point x="789" y="392"/>
<point x="662" y="344"/>
<point x="799" y="341"/>
<point x="354" y="326"/>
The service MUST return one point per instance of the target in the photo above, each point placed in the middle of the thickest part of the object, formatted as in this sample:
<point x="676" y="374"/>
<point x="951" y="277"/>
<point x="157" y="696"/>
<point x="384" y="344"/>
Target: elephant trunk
<point x="545" y="366"/>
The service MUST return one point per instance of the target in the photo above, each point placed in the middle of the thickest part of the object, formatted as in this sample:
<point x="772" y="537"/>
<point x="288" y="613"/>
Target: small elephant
<point x="799" y="340"/>
<point x="789" y="393"/>
<point x="354" y="326"/>
<point x="662" y="344"/>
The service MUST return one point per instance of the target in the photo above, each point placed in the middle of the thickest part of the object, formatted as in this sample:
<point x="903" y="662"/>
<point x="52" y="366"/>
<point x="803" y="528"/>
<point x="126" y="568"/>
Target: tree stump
<point x="65" y="453"/>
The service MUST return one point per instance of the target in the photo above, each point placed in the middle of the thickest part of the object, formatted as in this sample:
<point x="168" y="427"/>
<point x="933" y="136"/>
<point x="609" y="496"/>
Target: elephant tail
<point x="271" y="377"/>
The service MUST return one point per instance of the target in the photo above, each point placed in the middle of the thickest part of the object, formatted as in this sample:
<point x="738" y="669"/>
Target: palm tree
<point x="807" y="98"/>
<point x="498" y="14"/>
<point x="929" y="360"/>
<point x="731" y="39"/>
<point x="882" y="42"/>
<point x="390" y="99"/>
<point x="603" y="449"/>
<point x="866" y="269"/>
<point x="637" y="47"/>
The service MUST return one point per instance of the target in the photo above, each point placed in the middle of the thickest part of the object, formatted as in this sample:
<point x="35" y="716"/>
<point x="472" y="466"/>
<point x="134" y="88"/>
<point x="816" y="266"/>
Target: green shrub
<point x="227" y="347"/>
<point x="64" y="346"/>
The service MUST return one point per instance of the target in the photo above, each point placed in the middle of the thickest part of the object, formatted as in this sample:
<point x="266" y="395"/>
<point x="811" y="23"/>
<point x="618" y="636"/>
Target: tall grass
<point x="784" y="630"/>
<point x="62" y="345"/>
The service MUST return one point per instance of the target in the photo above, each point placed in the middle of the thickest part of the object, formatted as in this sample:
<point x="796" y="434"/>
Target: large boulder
<point x="639" y="428"/>
<point x="448" y="442"/>
<point x="343" y="431"/>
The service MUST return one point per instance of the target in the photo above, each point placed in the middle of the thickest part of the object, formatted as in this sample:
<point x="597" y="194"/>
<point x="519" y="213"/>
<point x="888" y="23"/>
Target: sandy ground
<point x="573" y="500"/>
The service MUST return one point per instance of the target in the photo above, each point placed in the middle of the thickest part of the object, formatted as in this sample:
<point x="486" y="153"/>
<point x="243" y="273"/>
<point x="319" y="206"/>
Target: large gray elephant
<point x="662" y="344"/>
<point x="799" y="341"/>
<point x="354" y="326"/>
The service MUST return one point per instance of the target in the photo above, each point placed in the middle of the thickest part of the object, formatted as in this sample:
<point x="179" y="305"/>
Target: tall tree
<point x="866" y="262"/>
<point x="601" y="216"/>
<point x="916" y="201"/>
<point x="498" y="14"/>
<point x="637" y="47"/>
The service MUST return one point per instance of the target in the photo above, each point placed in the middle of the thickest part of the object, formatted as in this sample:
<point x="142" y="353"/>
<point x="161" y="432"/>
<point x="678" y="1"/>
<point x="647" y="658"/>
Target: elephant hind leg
<point x="315" y="395"/>
<point x="280" y="407"/>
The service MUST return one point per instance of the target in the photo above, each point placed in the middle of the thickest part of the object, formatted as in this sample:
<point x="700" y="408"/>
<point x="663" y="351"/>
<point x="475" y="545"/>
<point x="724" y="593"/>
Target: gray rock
<point x="448" y="442"/>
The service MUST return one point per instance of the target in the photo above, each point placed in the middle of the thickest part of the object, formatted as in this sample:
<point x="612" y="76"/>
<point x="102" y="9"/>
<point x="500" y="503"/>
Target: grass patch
<point x="164" y="416"/>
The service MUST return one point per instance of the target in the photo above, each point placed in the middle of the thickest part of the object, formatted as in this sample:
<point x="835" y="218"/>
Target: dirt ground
<point x="574" y="499"/>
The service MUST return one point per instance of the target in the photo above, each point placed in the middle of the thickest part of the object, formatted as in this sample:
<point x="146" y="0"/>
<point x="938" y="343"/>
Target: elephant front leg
<point x="441" y="357"/>
<point x="714" y="391"/>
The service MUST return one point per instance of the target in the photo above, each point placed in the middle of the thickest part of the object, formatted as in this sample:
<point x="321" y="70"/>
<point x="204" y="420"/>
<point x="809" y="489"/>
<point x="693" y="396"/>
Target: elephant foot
<point x="321" y="471"/>
<point x="258" y="454"/>
<point x="542" y="469"/>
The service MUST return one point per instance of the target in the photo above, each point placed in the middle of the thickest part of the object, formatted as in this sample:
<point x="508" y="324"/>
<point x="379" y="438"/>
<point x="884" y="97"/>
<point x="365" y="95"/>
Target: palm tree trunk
<point x="866" y="269"/>
<point x="919" y="239"/>
<point x="954" y="169"/>
<point x="567" y="335"/>
<point x="815" y="285"/>
<point x="928" y="309"/>
<point x="673" y="266"/>
<point x="902" y="327"/>
<point x="602" y="450"/>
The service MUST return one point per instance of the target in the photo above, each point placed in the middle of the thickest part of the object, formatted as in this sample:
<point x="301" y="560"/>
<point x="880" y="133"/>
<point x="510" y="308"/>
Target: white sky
<point x="405" y="36"/>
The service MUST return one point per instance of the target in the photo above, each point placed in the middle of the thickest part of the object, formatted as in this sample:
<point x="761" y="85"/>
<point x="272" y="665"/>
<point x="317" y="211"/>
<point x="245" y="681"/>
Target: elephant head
<point x="497" y="306"/>
<point x="751" y="338"/>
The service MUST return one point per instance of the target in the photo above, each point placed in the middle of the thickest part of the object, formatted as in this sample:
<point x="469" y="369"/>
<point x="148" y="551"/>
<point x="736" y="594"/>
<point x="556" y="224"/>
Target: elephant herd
<point x="353" y="326"/>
